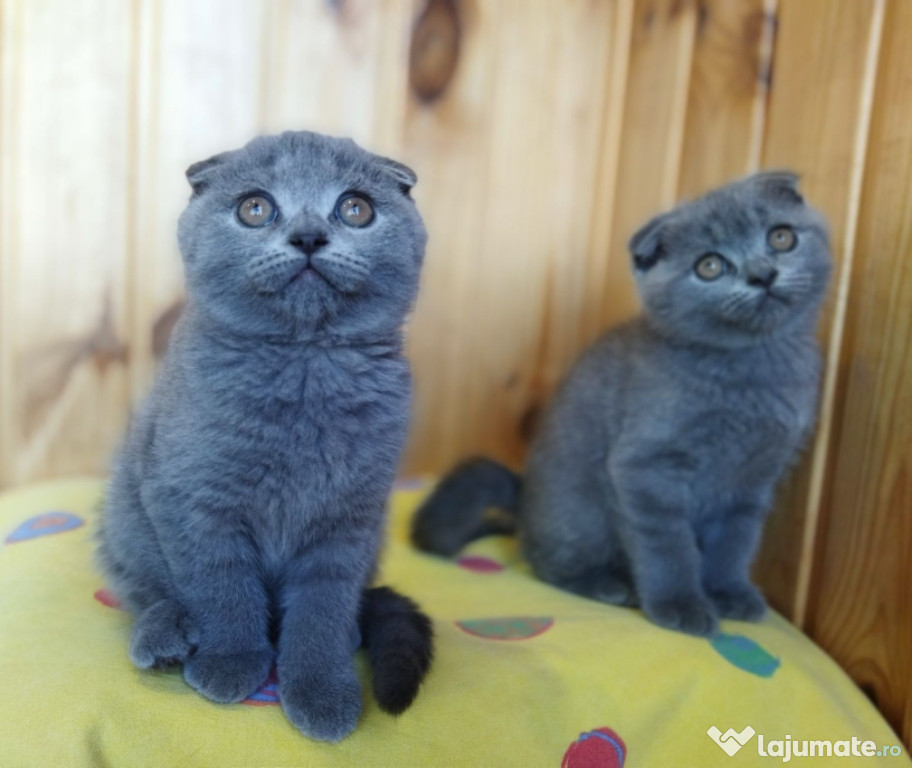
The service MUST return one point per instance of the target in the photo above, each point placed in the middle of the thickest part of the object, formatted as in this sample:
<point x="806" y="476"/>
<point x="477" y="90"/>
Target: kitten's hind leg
<point x="568" y="533"/>
<point x="162" y="635"/>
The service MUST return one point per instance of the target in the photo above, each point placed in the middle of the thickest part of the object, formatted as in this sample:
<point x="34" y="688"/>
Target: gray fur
<point x="657" y="461"/>
<point x="246" y="506"/>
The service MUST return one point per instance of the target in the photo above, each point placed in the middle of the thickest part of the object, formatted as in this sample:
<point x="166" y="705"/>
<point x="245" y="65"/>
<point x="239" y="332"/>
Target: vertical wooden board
<point x="652" y="132"/>
<point x="65" y="157"/>
<point x="9" y="94"/>
<point x="823" y="70"/>
<point x="607" y="161"/>
<point x="510" y="260"/>
<point x="583" y="50"/>
<point x="861" y="607"/>
<point x="198" y="93"/>
<point x="727" y="94"/>
<point x="337" y="68"/>
<point x="447" y="142"/>
<point x="546" y="120"/>
<point x="508" y="235"/>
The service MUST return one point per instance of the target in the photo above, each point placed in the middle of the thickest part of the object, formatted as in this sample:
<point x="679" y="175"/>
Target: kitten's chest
<point x="750" y="434"/>
<point x="324" y="431"/>
<point x="336" y="416"/>
<point x="765" y="413"/>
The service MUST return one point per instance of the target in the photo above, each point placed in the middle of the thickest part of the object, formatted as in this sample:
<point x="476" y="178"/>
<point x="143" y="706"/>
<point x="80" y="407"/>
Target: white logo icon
<point x="731" y="741"/>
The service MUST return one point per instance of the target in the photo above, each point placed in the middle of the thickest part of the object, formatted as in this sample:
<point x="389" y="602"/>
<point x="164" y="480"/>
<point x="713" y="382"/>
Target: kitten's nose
<point x="765" y="278"/>
<point x="308" y="242"/>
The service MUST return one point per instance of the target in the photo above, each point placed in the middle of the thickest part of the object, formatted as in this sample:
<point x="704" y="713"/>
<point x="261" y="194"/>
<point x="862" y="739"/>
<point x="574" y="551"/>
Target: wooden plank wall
<point x="543" y="132"/>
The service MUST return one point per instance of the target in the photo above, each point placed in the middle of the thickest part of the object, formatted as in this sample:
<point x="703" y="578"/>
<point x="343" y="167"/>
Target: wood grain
<point x="608" y="161"/>
<point x="590" y="57"/>
<point x="652" y="136"/>
<point x="726" y="101"/>
<point x="348" y="79"/>
<point x="861" y="607"/>
<point x="448" y="143"/>
<point x="524" y="128"/>
<point x="64" y="219"/>
<point x="198" y="91"/>
<point x="10" y="95"/>
<point x="823" y="69"/>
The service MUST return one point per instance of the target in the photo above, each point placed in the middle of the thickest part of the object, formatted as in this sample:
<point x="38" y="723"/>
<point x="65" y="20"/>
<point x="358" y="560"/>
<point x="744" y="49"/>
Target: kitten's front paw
<point x="693" y="615"/>
<point x="744" y="603"/>
<point x="227" y="678"/>
<point x="161" y="636"/>
<point x="323" y="704"/>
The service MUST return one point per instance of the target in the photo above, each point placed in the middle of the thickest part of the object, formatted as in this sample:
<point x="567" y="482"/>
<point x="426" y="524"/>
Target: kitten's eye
<point x="782" y="238"/>
<point x="256" y="211"/>
<point x="354" y="210"/>
<point x="710" y="266"/>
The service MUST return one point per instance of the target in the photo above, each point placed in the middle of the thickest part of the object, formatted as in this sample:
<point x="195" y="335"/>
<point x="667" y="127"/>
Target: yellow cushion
<point x="525" y="675"/>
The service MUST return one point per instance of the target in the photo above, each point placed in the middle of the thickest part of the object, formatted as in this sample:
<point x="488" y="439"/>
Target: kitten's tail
<point x="400" y="644"/>
<point x="457" y="511"/>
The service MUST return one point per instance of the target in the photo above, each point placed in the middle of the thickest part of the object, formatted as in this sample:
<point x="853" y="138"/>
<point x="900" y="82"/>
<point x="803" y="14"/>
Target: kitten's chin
<point x="772" y="312"/>
<point x="769" y="315"/>
<point x="307" y="276"/>
<point x="308" y="300"/>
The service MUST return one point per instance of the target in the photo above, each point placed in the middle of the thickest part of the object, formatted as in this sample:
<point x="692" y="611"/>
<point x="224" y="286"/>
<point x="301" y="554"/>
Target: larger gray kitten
<point x="246" y="507"/>
<point x="657" y="461"/>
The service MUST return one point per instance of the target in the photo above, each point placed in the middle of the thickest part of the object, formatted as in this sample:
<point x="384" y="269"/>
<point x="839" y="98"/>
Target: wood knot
<point x="103" y="346"/>
<point x="703" y="14"/>
<point x="529" y="421"/>
<point x="48" y="370"/>
<point x="648" y="18"/>
<point x="434" y="50"/>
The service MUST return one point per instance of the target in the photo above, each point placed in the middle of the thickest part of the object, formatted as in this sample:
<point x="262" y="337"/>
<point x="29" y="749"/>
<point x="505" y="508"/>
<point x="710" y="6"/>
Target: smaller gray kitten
<point x="246" y="507"/>
<point x="657" y="461"/>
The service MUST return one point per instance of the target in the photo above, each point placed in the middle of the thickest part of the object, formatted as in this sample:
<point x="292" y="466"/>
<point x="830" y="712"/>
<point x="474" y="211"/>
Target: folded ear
<point x="402" y="174"/>
<point x="781" y="184"/>
<point x="646" y="244"/>
<point x="200" y="174"/>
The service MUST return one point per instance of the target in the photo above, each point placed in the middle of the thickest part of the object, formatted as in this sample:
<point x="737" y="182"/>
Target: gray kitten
<point x="657" y="461"/>
<point x="246" y="508"/>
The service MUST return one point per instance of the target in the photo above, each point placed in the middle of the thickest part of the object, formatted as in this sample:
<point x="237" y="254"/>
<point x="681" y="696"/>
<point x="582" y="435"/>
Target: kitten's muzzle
<point x="765" y="279"/>
<point x="273" y="271"/>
